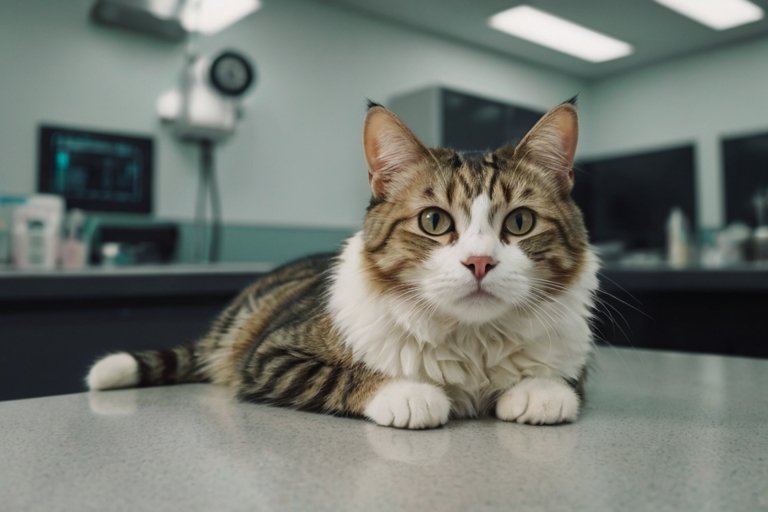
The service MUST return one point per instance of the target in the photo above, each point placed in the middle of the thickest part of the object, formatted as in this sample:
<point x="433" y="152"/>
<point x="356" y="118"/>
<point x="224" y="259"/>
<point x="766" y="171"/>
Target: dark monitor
<point x="745" y="165"/>
<point x="471" y="123"/>
<point x="96" y="171"/>
<point x="629" y="198"/>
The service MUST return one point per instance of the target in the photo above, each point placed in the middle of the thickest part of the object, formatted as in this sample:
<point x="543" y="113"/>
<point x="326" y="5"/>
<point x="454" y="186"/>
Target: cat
<point x="468" y="292"/>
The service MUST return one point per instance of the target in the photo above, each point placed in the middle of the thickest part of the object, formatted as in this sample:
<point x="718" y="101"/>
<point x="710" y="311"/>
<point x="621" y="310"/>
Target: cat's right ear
<point x="551" y="144"/>
<point x="390" y="150"/>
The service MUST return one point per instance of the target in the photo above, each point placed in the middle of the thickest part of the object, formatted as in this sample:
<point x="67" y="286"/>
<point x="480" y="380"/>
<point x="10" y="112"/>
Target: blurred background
<point x="157" y="155"/>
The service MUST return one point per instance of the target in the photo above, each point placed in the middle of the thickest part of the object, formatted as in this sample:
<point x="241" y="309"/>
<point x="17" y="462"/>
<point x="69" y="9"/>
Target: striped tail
<point x="149" y="368"/>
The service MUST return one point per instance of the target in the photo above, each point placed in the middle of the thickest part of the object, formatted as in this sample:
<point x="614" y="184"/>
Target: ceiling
<point x="656" y="32"/>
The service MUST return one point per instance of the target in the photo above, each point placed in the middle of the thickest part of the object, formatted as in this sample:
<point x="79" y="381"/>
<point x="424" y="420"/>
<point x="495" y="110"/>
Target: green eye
<point x="520" y="222"/>
<point x="435" y="222"/>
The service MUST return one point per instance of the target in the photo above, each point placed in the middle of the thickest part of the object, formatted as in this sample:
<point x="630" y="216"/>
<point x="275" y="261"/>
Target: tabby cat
<point x="467" y="292"/>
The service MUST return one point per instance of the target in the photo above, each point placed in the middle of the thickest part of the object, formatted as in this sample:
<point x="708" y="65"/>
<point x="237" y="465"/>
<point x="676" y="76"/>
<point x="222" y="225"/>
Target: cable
<point x="209" y="169"/>
<point x="200" y="242"/>
<point x="207" y="249"/>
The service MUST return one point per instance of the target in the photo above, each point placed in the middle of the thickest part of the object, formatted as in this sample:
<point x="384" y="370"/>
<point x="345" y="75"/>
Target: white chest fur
<point x="472" y="362"/>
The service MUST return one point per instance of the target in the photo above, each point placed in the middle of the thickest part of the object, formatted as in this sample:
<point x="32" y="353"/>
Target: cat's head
<point x="472" y="236"/>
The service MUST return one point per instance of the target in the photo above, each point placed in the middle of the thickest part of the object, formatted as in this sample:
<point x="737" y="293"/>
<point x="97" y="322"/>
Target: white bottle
<point x="37" y="232"/>
<point x="677" y="238"/>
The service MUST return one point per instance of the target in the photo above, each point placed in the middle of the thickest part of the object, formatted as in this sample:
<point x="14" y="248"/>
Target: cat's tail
<point x="148" y="368"/>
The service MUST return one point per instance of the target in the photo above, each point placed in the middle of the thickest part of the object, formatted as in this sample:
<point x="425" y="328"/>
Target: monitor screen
<point x="629" y="198"/>
<point x="745" y="165"/>
<point x="477" y="124"/>
<point x="96" y="171"/>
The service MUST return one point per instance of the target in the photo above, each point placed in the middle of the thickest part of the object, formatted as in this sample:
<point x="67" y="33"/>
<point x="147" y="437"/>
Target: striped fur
<point x="382" y="330"/>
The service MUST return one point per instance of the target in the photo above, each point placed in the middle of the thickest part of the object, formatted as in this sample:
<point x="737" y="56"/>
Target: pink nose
<point x="479" y="265"/>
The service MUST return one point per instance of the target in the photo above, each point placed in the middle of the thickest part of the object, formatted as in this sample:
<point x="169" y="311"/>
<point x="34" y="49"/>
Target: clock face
<point x="231" y="74"/>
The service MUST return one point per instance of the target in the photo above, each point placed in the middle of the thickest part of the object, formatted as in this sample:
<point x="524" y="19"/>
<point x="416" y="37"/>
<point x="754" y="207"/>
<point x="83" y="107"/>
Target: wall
<point x="297" y="159"/>
<point x="696" y="99"/>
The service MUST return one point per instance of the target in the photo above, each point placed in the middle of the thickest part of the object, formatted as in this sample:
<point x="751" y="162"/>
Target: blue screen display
<point x="96" y="171"/>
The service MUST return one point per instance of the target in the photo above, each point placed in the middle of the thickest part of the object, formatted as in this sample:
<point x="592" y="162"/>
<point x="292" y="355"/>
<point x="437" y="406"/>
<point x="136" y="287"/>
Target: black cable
<point x="200" y="242"/>
<point x="208" y="169"/>
<point x="216" y="212"/>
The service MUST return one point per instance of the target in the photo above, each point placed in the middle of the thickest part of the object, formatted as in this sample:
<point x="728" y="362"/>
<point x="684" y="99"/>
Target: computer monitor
<point x="745" y="165"/>
<point x="471" y="123"/>
<point x="628" y="198"/>
<point x="96" y="171"/>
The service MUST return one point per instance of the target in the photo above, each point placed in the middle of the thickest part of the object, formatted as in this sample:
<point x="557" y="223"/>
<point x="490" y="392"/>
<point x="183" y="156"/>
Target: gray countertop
<point x="661" y="431"/>
<point x="129" y="282"/>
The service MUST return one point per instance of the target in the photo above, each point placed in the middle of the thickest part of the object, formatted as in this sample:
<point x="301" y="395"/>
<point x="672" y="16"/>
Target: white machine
<point x="207" y="103"/>
<point x="205" y="109"/>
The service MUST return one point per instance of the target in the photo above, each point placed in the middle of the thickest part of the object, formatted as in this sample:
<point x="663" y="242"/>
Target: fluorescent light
<point x="562" y="35"/>
<point x="717" y="14"/>
<point x="211" y="16"/>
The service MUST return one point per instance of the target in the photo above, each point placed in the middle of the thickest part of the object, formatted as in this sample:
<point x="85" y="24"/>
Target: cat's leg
<point x="291" y="379"/>
<point x="539" y="401"/>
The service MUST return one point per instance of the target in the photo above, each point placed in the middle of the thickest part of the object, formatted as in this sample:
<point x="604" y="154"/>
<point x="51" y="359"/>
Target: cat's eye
<point x="435" y="222"/>
<point x="520" y="222"/>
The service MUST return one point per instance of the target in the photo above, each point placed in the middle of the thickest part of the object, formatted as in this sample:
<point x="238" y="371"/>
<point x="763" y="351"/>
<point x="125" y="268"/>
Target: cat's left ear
<point x="391" y="149"/>
<point x="551" y="143"/>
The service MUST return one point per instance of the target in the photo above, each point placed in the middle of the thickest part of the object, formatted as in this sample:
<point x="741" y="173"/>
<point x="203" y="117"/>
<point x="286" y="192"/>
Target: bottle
<point x="760" y="235"/>
<point x="677" y="238"/>
<point x="37" y="232"/>
<point x="74" y="249"/>
<point x="7" y="205"/>
<point x="35" y="238"/>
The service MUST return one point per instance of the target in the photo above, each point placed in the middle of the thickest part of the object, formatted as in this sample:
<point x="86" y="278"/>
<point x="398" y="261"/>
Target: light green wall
<point x="242" y="243"/>
<point x="297" y="158"/>
<point x="696" y="99"/>
<point x="296" y="162"/>
<point x="245" y="242"/>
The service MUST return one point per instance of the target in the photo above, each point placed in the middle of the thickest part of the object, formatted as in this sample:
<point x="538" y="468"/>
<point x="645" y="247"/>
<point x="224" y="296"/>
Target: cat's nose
<point x="479" y="265"/>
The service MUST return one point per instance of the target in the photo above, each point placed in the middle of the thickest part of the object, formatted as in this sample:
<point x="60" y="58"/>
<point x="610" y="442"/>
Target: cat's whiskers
<point x="542" y="322"/>
<point x="535" y="309"/>
<point x="597" y="294"/>
<point x="552" y="315"/>
<point x="554" y="303"/>
<point x="599" y="334"/>
<point x="604" y="292"/>
<point x="599" y="304"/>
<point x="419" y="306"/>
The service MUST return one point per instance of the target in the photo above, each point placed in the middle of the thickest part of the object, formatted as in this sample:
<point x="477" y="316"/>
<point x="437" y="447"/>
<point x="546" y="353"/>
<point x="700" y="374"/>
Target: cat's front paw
<point x="406" y="404"/>
<point x="539" y="401"/>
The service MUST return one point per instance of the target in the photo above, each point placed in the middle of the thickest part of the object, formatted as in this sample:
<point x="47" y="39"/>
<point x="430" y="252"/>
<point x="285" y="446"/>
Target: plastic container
<point x="74" y="247"/>
<point x="8" y="204"/>
<point x="36" y="232"/>
<point x="678" y="238"/>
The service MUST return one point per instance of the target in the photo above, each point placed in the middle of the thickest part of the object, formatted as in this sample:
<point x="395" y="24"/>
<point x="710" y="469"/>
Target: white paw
<point x="538" y="401"/>
<point x="114" y="371"/>
<point x="406" y="404"/>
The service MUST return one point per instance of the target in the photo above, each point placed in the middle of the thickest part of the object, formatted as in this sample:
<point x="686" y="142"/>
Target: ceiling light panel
<point x="716" y="14"/>
<point x="212" y="16"/>
<point x="559" y="34"/>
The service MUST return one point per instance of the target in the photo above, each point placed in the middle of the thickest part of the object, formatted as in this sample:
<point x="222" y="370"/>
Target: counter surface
<point x="661" y="431"/>
<point x="129" y="282"/>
